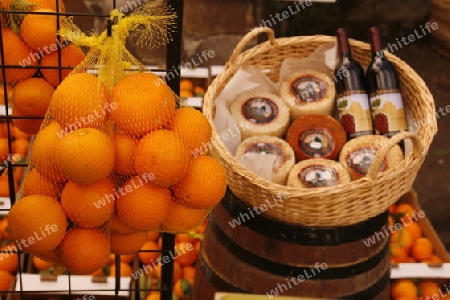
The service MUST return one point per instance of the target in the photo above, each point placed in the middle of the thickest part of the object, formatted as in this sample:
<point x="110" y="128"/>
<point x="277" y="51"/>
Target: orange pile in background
<point x="415" y="289"/>
<point x="408" y="245"/>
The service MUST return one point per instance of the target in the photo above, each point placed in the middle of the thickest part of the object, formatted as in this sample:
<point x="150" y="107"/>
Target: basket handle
<point x="247" y="38"/>
<point x="383" y="151"/>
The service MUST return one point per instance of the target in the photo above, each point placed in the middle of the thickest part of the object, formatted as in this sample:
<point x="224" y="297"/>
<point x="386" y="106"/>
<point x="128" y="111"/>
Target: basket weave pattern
<point x="344" y="204"/>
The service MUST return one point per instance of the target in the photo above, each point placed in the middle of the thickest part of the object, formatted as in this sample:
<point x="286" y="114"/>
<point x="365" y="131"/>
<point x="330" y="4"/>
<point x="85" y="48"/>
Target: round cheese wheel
<point x="308" y="92"/>
<point x="317" y="172"/>
<point x="316" y="136"/>
<point x="358" y="154"/>
<point x="260" y="113"/>
<point x="269" y="144"/>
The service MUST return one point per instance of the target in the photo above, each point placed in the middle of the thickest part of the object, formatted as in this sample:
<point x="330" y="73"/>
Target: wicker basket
<point x="440" y="13"/>
<point x="341" y="205"/>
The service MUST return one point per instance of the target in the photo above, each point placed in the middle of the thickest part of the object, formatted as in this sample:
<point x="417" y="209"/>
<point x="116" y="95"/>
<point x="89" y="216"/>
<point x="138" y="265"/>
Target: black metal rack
<point x="173" y="58"/>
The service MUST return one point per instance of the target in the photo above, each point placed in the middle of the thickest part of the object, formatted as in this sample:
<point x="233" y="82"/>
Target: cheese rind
<point x="358" y="154"/>
<point x="260" y="113"/>
<point x="269" y="144"/>
<point x="317" y="172"/>
<point x="308" y="92"/>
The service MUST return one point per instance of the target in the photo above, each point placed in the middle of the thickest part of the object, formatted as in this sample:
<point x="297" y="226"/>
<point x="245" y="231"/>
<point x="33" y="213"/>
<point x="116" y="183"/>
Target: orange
<point x="402" y="238"/>
<point x="4" y="186"/>
<point x="143" y="103"/>
<point x="84" y="251"/>
<point x="4" y="149"/>
<point x="153" y="235"/>
<point x="123" y="258"/>
<point x="143" y="206"/>
<point x="403" y="288"/>
<point x="198" y="246"/>
<point x="124" y="147"/>
<point x="8" y="94"/>
<point x="85" y="155"/>
<point x="39" y="31"/>
<point x="153" y="296"/>
<point x="398" y="254"/>
<point x="127" y="244"/>
<point x="3" y="130"/>
<point x="6" y="279"/>
<point x="3" y="228"/>
<point x="25" y="123"/>
<point x="71" y="56"/>
<point x="406" y="210"/>
<point x="182" y="289"/>
<point x="177" y="271"/>
<point x="35" y="183"/>
<point x="184" y="237"/>
<point x="40" y="264"/>
<point x="37" y="4"/>
<point x="189" y="274"/>
<point x="186" y="94"/>
<point x="39" y="220"/>
<point x="17" y="134"/>
<point x="428" y="288"/>
<point x="148" y="257"/>
<point x="433" y="259"/>
<point x="50" y="256"/>
<point x="44" y="147"/>
<point x="163" y="154"/>
<point x="205" y="184"/>
<point x="185" y="254"/>
<point x="201" y="228"/>
<point x="193" y="127"/>
<point x="80" y="101"/>
<point x="125" y="270"/>
<point x="20" y="146"/>
<point x="32" y="96"/>
<point x="18" y="54"/>
<point x="119" y="227"/>
<point x="422" y="248"/>
<point x="10" y="258"/>
<point x="199" y="91"/>
<point x="88" y="205"/>
<point x="186" y="85"/>
<point x="414" y="229"/>
<point x="182" y="218"/>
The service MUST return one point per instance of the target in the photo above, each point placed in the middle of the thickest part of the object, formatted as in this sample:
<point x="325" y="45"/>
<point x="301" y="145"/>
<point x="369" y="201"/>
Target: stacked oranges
<point x="415" y="289"/>
<point x="9" y="259"/>
<point x="408" y="245"/>
<point x="31" y="45"/>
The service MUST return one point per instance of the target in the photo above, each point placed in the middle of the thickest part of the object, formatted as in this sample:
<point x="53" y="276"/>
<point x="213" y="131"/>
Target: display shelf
<point x="422" y="270"/>
<point x="233" y="296"/>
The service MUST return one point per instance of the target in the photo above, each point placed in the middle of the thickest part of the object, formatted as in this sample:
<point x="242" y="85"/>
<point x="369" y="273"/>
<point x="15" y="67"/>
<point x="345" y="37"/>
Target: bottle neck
<point x="375" y="44"/>
<point x="342" y="43"/>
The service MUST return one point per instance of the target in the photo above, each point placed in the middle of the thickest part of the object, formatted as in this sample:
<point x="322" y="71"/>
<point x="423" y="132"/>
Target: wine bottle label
<point x="354" y="114"/>
<point x="388" y="113"/>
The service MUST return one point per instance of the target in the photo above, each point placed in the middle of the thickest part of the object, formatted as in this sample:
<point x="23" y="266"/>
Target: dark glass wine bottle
<point x="386" y="101"/>
<point x="351" y="95"/>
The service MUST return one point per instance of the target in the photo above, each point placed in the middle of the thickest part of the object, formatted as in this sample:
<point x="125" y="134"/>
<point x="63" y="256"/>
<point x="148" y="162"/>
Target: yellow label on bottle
<point x="354" y="114"/>
<point x="388" y="113"/>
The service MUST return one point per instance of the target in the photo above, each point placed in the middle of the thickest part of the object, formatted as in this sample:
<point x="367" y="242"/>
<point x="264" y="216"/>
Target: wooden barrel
<point x="264" y="256"/>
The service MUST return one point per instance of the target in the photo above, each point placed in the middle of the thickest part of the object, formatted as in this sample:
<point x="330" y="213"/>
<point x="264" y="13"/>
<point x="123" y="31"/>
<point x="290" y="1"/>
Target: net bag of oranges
<point x="115" y="157"/>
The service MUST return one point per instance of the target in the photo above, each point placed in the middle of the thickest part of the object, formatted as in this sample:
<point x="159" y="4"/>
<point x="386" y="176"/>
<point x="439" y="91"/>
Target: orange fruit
<point x="153" y="296"/>
<point x="20" y="146"/>
<point x="125" y="270"/>
<point x="193" y="127"/>
<point x="143" y="206"/>
<point x="201" y="228"/>
<point x="124" y="146"/>
<point x="127" y="244"/>
<point x="189" y="274"/>
<point x="85" y="155"/>
<point x="123" y="258"/>
<point x="50" y="256"/>
<point x="433" y="259"/>
<point x="153" y="235"/>
<point x="185" y="254"/>
<point x="71" y="56"/>
<point x="39" y="31"/>
<point x="182" y="289"/>
<point x="4" y="148"/>
<point x="184" y="237"/>
<point x="406" y="210"/>
<point x="414" y="229"/>
<point x="35" y="183"/>
<point x="44" y="147"/>
<point x="143" y="103"/>
<point x="181" y="218"/>
<point x="9" y="260"/>
<point x="39" y="220"/>
<point x="177" y="271"/>
<point x="186" y="84"/>
<point x="3" y="228"/>
<point x="3" y="130"/>
<point x="25" y="123"/>
<point x="421" y="249"/>
<point x="163" y="154"/>
<point x="32" y="96"/>
<point x="40" y="264"/>
<point x="398" y="254"/>
<point x="8" y="93"/>
<point x="37" y="4"/>
<point x="148" y="257"/>
<point x="119" y="227"/>
<point x="4" y="186"/>
<point x="205" y="184"/>
<point x="17" y="134"/>
<point x="402" y="238"/>
<point x="6" y="279"/>
<point x="86" y="205"/>
<point x="80" y="101"/>
<point x="428" y="288"/>
<point x="198" y="246"/>
<point x="403" y="288"/>
<point x="17" y="54"/>
<point x="84" y="251"/>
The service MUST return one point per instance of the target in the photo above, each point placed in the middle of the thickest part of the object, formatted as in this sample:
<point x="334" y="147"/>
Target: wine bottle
<point x="386" y="101"/>
<point x="352" y="99"/>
